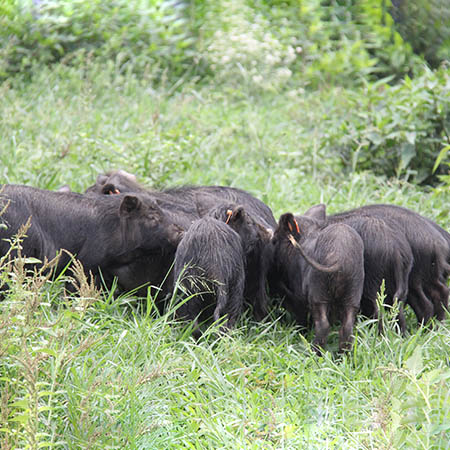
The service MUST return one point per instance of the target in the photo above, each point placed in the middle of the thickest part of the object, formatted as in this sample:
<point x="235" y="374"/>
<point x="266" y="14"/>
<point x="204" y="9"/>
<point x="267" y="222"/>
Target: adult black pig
<point x="322" y="272"/>
<point x="387" y="256"/>
<point x="104" y="233"/>
<point x="430" y="244"/>
<point x="151" y="270"/>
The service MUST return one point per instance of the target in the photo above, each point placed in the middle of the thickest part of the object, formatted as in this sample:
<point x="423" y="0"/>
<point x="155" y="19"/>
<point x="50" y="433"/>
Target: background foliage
<point x="425" y="25"/>
<point x="399" y="127"/>
<point x="138" y="34"/>
<point x="336" y="39"/>
<point x="397" y="130"/>
<point x="299" y="102"/>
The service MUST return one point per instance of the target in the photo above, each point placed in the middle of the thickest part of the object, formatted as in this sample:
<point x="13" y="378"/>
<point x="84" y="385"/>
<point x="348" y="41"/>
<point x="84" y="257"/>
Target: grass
<point x="93" y="371"/>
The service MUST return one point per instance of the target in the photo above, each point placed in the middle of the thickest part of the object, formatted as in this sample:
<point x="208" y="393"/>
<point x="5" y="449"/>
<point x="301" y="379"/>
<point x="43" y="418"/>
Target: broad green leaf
<point x="30" y="260"/>
<point x="441" y="156"/>
<point x="21" y="418"/>
<point x="415" y="362"/>
<point x="407" y="153"/>
<point x="47" y="351"/>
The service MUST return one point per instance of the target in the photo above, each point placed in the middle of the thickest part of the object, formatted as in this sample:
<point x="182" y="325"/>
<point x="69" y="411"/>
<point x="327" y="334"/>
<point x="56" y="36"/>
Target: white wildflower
<point x="244" y="48"/>
<point x="258" y="79"/>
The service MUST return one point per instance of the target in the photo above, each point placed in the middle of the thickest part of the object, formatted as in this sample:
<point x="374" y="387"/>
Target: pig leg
<point x="196" y="333"/>
<point x="255" y="293"/>
<point x="377" y="317"/>
<point x="189" y="312"/>
<point x="260" y="308"/>
<point x="219" y="311"/>
<point x="230" y="304"/>
<point x="345" y="332"/>
<point x="296" y="307"/>
<point x="439" y="292"/>
<point x="321" y="325"/>
<point x="369" y="306"/>
<point x="401" y="316"/>
<point x="401" y="294"/>
<point x="418" y="301"/>
<point x="260" y="300"/>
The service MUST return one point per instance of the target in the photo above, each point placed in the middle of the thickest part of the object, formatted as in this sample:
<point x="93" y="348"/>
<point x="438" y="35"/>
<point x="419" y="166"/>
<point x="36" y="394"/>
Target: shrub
<point x="238" y="43"/>
<point x="264" y="42"/>
<point x="397" y="130"/>
<point x="145" y="33"/>
<point x="425" y="25"/>
<point x="351" y="40"/>
<point x="259" y="42"/>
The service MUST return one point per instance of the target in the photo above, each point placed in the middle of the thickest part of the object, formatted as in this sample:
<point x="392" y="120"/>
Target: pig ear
<point x="317" y="212"/>
<point x="101" y="178"/>
<point x="127" y="175"/>
<point x="234" y="214"/>
<point x="110" y="189"/>
<point x="265" y="233"/>
<point x="283" y="221"/>
<point x="237" y="213"/>
<point x="289" y="225"/>
<point x="130" y="203"/>
<point x="176" y="233"/>
<point x="65" y="188"/>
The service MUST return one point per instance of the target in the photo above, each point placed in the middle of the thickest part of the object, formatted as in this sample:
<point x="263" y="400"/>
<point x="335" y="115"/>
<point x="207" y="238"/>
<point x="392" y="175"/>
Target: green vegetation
<point x="397" y="130"/>
<point x="198" y="100"/>
<point x="425" y="25"/>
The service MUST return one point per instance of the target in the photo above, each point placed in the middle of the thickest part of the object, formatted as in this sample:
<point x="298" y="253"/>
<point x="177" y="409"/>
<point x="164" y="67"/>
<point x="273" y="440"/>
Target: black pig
<point x="387" y="255"/>
<point x="210" y="267"/>
<point x="104" y="233"/>
<point x="256" y="245"/>
<point x="430" y="245"/>
<point x="322" y="272"/>
<point x="154" y="269"/>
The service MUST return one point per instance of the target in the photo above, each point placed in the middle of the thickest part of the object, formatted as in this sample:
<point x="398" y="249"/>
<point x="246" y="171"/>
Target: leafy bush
<point x="425" y="25"/>
<point x="148" y="34"/>
<point x="258" y="42"/>
<point x="239" y="44"/>
<point x="397" y="130"/>
<point x="265" y="42"/>
<point x="351" y="40"/>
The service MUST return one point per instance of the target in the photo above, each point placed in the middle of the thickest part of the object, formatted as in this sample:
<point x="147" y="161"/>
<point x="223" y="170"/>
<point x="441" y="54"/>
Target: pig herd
<point x="219" y="249"/>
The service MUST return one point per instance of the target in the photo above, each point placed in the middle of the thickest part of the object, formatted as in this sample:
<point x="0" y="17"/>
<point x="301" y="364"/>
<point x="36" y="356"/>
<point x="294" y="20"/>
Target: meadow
<point x="91" y="370"/>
